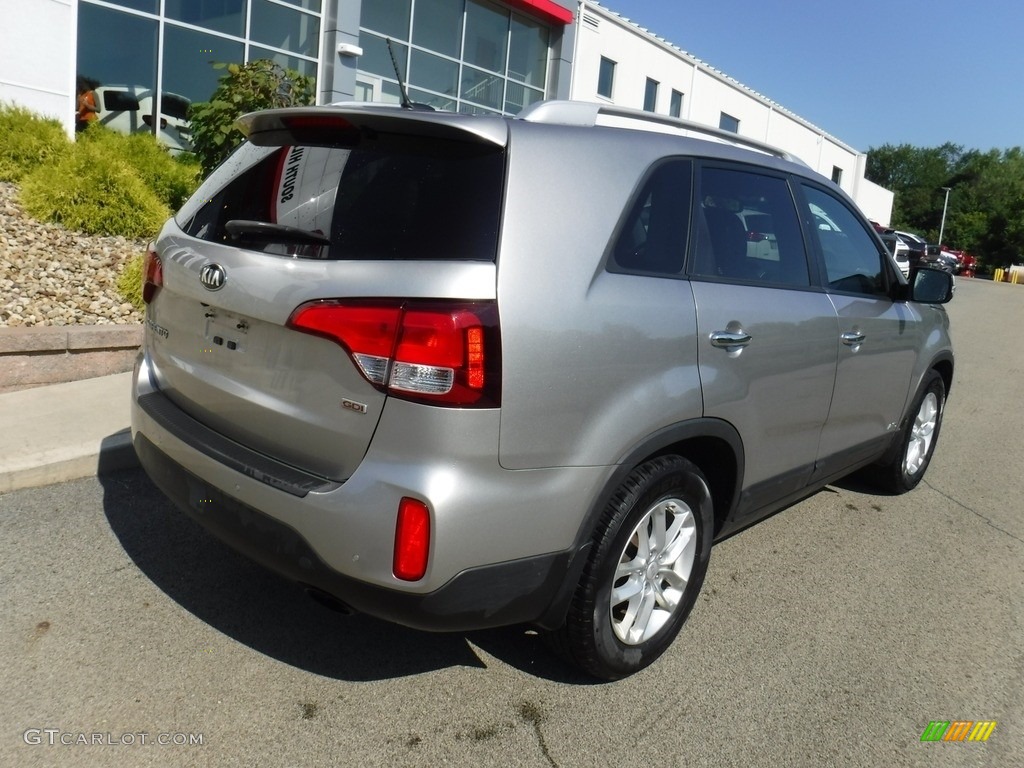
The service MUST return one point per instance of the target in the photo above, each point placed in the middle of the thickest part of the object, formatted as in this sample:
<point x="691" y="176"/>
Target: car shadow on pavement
<point x="275" y="617"/>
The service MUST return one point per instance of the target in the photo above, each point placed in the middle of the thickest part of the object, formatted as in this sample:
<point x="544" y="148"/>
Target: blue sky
<point x="870" y="73"/>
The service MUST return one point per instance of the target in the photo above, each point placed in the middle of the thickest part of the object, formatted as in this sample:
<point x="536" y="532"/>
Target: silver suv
<point x="461" y="372"/>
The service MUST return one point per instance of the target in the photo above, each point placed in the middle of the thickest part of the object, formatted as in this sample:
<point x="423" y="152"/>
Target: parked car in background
<point x="130" y="109"/>
<point x="917" y="247"/>
<point x="465" y="410"/>
<point x="899" y="250"/>
<point x="946" y="260"/>
<point x="968" y="264"/>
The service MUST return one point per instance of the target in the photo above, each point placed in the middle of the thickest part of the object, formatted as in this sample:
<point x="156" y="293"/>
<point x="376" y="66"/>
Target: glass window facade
<point x="116" y="48"/>
<point x="460" y="55"/>
<point x="227" y="16"/>
<point x="437" y="26"/>
<point x="149" y="6"/>
<point x="281" y="27"/>
<point x="120" y="51"/>
<point x="188" y="61"/>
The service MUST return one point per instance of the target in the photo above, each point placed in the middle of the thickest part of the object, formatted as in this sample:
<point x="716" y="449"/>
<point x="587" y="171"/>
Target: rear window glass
<point x="437" y="200"/>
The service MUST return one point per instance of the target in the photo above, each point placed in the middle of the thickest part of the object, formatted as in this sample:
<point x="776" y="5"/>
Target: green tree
<point x="986" y="201"/>
<point x="260" y="84"/>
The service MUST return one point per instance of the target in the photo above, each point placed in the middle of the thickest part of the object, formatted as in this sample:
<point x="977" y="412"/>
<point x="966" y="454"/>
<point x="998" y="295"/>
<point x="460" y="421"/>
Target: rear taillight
<point x="152" y="274"/>
<point x="412" y="540"/>
<point x="447" y="353"/>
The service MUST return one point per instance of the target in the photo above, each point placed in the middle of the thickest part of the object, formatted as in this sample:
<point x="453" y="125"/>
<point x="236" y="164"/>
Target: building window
<point x="149" y="6"/>
<point x="837" y="174"/>
<point x="675" y="107"/>
<point x="456" y="55"/>
<point x="227" y="17"/>
<point x="142" y="57"/>
<point x="606" y="78"/>
<point x="651" y="96"/>
<point x="282" y="27"/>
<point x="729" y="123"/>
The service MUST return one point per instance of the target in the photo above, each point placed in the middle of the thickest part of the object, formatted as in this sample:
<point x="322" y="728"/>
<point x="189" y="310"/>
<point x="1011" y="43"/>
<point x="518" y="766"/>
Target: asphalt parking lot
<point x="831" y="634"/>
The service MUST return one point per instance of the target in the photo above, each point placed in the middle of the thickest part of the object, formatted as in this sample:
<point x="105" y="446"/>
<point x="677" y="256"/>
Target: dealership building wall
<point x="467" y="55"/>
<point x="643" y="62"/>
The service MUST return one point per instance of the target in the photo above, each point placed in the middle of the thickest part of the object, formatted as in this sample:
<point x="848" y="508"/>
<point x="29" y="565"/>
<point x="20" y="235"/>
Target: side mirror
<point x="930" y="286"/>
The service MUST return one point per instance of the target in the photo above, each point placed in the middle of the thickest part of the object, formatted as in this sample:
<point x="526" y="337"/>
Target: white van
<point x="129" y="109"/>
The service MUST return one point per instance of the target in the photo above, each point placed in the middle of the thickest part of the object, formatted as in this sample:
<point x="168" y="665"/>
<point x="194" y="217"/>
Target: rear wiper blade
<point x="265" y="232"/>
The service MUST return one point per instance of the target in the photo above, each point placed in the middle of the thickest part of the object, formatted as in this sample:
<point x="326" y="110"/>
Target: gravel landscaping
<point x="50" y="276"/>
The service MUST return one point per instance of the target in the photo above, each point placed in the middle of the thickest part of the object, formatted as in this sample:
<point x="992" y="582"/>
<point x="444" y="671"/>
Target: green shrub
<point x="91" y="190"/>
<point x="129" y="282"/>
<point x="171" y="179"/>
<point x="260" y="84"/>
<point x="27" y="140"/>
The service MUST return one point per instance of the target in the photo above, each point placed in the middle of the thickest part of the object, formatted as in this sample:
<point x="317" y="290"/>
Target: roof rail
<point x="585" y="113"/>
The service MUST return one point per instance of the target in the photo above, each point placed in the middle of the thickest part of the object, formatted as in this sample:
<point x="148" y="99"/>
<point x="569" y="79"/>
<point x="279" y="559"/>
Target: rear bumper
<point x="491" y="596"/>
<point x="502" y="542"/>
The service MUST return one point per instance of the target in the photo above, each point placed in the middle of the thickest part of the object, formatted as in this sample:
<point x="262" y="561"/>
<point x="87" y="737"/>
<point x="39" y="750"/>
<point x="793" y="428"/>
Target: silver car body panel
<point x="593" y="362"/>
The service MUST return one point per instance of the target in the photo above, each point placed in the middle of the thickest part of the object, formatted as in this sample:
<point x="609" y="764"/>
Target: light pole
<point x="942" y="227"/>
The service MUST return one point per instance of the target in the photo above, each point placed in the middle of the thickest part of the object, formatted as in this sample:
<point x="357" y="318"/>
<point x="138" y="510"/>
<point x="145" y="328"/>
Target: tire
<point x="628" y="606"/>
<point x="904" y="468"/>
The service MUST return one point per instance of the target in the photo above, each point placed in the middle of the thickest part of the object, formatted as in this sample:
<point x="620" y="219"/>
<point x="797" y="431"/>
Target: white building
<point x="465" y="55"/>
<point x="615" y="61"/>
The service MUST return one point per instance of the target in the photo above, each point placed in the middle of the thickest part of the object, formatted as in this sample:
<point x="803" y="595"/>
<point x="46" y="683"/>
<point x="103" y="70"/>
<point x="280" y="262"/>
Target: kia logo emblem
<point x="212" y="276"/>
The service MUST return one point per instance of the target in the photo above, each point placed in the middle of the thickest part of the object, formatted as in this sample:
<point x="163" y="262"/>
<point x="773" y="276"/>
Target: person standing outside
<point x="87" y="111"/>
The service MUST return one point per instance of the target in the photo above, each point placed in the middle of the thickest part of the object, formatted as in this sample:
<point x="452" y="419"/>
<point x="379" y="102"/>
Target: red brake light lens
<point x="152" y="274"/>
<point x="366" y="331"/>
<point x="446" y="353"/>
<point x="412" y="540"/>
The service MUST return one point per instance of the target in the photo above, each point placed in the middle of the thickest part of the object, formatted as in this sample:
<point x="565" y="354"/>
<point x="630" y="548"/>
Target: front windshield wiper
<point x="265" y="232"/>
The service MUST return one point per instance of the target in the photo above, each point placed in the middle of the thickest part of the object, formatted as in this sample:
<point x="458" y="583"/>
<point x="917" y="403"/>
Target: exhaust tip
<point x="328" y="600"/>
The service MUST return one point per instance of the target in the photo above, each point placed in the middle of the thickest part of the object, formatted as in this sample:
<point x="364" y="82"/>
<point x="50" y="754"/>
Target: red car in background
<point x="965" y="263"/>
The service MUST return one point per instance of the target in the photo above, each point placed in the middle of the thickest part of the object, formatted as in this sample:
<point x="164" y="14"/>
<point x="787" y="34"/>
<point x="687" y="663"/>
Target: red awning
<point x="546" y="10"/>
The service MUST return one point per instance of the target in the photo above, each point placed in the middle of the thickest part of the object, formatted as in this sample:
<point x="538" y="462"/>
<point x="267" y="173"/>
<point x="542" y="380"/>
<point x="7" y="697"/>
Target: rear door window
<point x="747" y="229"/>
<point x="401" y="200"/>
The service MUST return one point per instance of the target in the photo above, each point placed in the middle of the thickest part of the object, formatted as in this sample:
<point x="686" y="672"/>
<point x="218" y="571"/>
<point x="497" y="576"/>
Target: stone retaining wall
<point x="32" y="357"/>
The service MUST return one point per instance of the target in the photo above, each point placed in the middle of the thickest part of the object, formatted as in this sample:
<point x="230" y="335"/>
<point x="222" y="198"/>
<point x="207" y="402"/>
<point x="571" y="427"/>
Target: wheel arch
<point x="713" y="445"/>
<point x="944" y="365"/>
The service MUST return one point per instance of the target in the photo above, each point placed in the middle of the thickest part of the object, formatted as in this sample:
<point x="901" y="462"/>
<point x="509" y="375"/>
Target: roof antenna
<point x="406" y="102"/>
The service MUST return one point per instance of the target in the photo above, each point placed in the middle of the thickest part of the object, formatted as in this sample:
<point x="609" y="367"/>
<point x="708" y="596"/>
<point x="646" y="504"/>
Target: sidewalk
<point x="65" y="431"/>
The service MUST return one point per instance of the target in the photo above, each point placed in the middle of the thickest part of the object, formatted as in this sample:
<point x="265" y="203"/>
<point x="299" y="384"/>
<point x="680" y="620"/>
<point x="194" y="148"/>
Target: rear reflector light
<point x="412" y="540"/>
<point x="446" y="353"/>
<point x="152" y="274"/>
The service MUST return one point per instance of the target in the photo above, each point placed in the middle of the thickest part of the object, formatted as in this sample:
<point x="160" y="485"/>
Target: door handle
<point x="853" y="338"/>
<point x="730" y="339"/>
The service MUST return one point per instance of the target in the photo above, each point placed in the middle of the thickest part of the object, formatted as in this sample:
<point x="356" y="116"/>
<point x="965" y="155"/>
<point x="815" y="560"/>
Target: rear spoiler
<point x="345" y="125"/>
